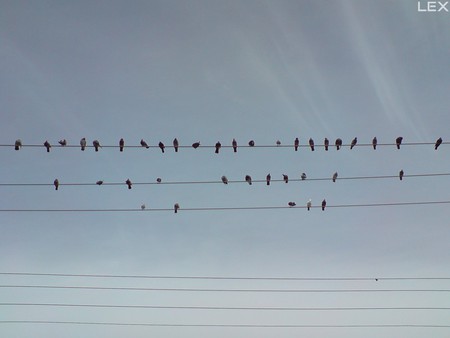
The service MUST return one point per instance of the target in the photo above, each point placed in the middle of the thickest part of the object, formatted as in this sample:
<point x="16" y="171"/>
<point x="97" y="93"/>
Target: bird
<point x="121" y="144"/>
<point x="324" y="204"/>
<point x="308" y="204"/>
<point x="335" y="175"/>
<point x="128" y="182"/>
<point x="175" y="144"/>
<point x="354" y="141"/>
<point x="161" y="146"/>
<point x="99" y="182"/>
<point x="326" y="143"/>
<point x="176" y="206"/>
<point x="303" y="176"/>
<point x="62" y="143"/>
<point x="18" y="144"/>
<point x="311" y="144"/>
<point x="96" y="144"/>
<point x="400" y="174"/>
<point x="285" y="178"/>
<point x="56" y="183"/>
<point x="398" y="141"/>
<point x="251" y="143"/>
<point x="248" y="179"/>
<point x="224" y="180"/>
<point x="143" y="207"/>
<point x="296" y="143"/>
<point x="268" y="177"/>
<point x="436" y="145"/>
<point x="218" y="145"/>
<point x="292" y="204"/>
<point x="158" y="180"/>
<point x="234" y="145"/>
<point x="83" y="144"/>
<point x="374" y="143"/>
<point x="144" y="144"/>
<point x="47" y="145"/>
<point x="278" y="143"/>
<point x="195" y="145"/>
<point x="338" y="143"/>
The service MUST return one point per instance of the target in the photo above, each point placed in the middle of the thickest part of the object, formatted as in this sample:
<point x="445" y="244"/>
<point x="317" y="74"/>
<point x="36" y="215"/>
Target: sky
<point x="212" y="71"/>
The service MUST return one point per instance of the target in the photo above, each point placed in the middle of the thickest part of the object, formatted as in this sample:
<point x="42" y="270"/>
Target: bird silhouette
<point x="398" y="141"/>
<point x="311" y="144"/>
<point x="175" y="144"/>
<point x="234" y="145"/>
<point x="56" y="184"/>
<point x="99" y="182"/>
<point x="338" y="143"/>
<point x="144" y="144"/>
<point x="292" y="204"/>
<point x="303" y="176"/>
<point x="218" y="145"/>
<point x="158" y="180"/>
<point x="285" y="178"/>
<point x="324" y="204"/>
<point x="354" y="141"/>
<point x="224" y="180"/>
<point x="96" y="144"/>
<point x="268" y="177"/>
<point x="47" y="145"/>
<point x="62" y="143"/>
<point x="143" y="207"/>
<point x="248" y="179"/>
<point x="161" y="146"/>
<point x="326" y="143"/>
<point x="296" y="143"/>
<point x="83" y="144"/>
<point x="18" y="144"/>
<point x="308" y="204"/>
<point x="195" y="145"/>
<point x="251" y="143"/>
<point x="278" y="143"/>
<point x="128" y="182"/>
<point x="121" y="144"/>
<point x="400" y="174"/>
<point x="176" y="206"/>
<point x="374" y="143"/>
<point x="436" y="145"/>
<point x="335" y="175"/>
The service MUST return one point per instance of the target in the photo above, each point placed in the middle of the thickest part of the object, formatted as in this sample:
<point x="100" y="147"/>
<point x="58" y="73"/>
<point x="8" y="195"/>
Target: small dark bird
<point x="324" y="204"/>
<point x="285" y="178"/>
<point x="176" y="206"/>
<point x="308" y="204"/>
<point x="303" y="177"/>
<point x="143" y="207"/>
<point x="400" y="174"/>
<point x="161" y="146"/>
<point x="292" y="204"/>
<point x="224" y="180"/>
<point x="195" y="145"/>
<point x="234" y="145"/>
<point x="56" y="184"/>
<point x="144" y="144"/>
<point x="248" y="179"/>
<point x="158" y="180"/>
<point x="354" y="141"/>
<point x="374" y="143"/>
<point x="311" y="144"/>
<point x="96" y="144"/>
<point x="296" y="143"/>
<point x="47" y="145"/>
<point x="99" y="182"/>
<point x="251" y="143"/>
<point x="268" y="177"/>
<point x="338" y="143"/>
<point x="121" y="144"/>
<point x="218" y="145"/>
<point x="175" y="144"/>
<point x="83" y="144"/>
<point x="62" y="143"/>
<point x="278" y="143"/>
<point x="18" y="144"/>
<point x="128" y="182"/>
<point x="437" y="144"/>
<point x="326" y="143"/>
<point x="398" y="141"/>
<point x="335" y="175"/>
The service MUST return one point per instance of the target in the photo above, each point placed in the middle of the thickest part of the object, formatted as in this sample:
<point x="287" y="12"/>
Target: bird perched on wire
<point x="47" y="145"/>
<point x="248" y="179"/>
<point x="99" y="182"/>
<point x="176" y="206"/>
<point x="303" y="176"/>
<point x="324" y="204"/>
<point x="398" y="141"/>
<point x="83" y="144"/>
<point x="436" y="145"/>
<point x="143" y="207"/>
<point x="251" y="143"/>
<point x="374" y="143"/>
<point x="224" y="180"/>
<point x="18" y="144"/>
<point x="354" y="141"/>
<point x="56" y="184"/>
<point x="158" y="180"/>
<point x="292" y="204"/>
<point x="144" y="144"/>
<point x="175" y="144"/>
<point x="195" y="145"/>
<point x="268" y="177"/>
<point x="62" y="143"/>
<point x="311" y="144"/>
<point x="401" y="174"/>
<point x="129" y="184"/>
<point x="338" y="143"/>
<point x="308" y="204"/>
<point x="335" y="175"/>
<point x="326" y="143"/>
<point x="218" y="145"/>
<point x="161" y="146"/>
<point x="121" y="144"/>
<point x="96" y="144"/>
<point x="278" y="143"/>
<point x="234" y="145"/>
<point x="296" y="143"/>
<point x="285" y="178"/>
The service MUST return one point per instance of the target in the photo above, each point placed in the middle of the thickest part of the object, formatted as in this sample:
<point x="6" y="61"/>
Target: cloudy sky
<point x="212" y="71"/>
